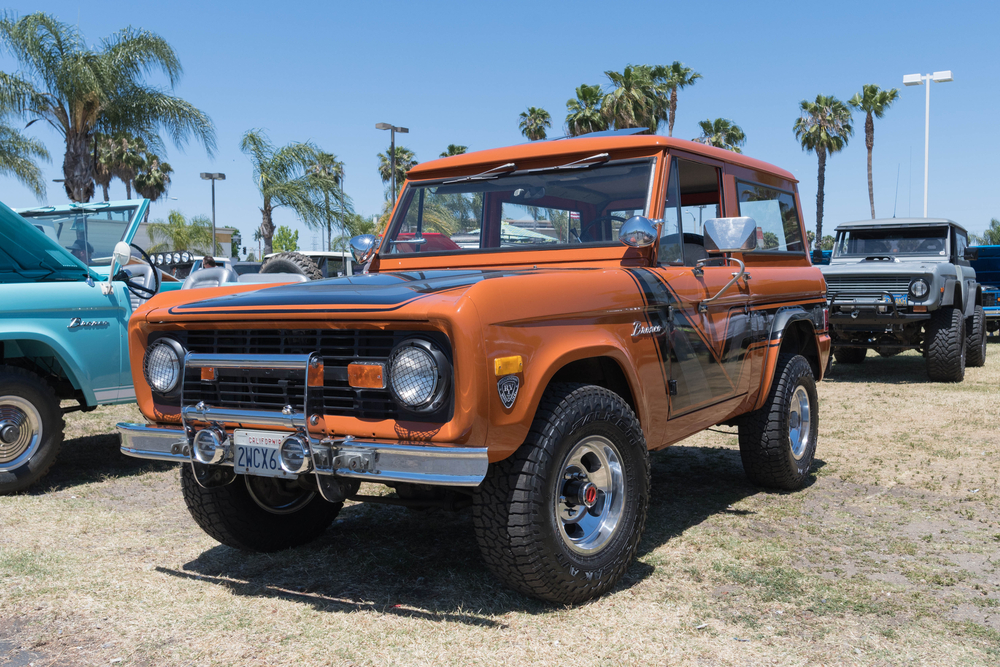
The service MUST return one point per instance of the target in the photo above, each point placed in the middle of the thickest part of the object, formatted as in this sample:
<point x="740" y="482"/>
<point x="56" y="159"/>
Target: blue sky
<point x="461" y="72"/>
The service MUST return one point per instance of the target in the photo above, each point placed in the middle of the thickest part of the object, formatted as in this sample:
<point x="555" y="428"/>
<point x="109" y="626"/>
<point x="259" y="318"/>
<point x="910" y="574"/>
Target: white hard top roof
<point x="899" y="222"/>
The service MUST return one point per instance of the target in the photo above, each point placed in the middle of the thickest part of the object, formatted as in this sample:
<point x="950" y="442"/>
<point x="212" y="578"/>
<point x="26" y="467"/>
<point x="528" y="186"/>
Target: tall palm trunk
<point x="869" y="144"/>
<point x="820" y="183"/>
<point x="673" y="112"/>
<point x="78" y="168"/>
<point x="128" y="189"/>
<point x="267" y="225"/>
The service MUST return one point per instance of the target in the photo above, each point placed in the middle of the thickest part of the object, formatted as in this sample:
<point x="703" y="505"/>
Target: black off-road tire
<point x="26" y="386"/>
<point x="850" y="355"/>
<point x="769" y="459"/>
<point x="292" y="262"/>
<point x="514" y="509"/>
<point x="946" y="345"/>
<point x="975" y="338"/>
<point x="232" y="516"/>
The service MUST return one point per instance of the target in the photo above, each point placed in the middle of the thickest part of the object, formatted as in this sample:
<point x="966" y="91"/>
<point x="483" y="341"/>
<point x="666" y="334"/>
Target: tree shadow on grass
<point x="90" y="459"/>
<point x="427" y="564"/>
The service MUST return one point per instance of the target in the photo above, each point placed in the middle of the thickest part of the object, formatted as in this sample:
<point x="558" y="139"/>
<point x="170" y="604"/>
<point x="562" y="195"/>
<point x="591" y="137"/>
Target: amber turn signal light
<point x="207" y="374"/>
<point x="508" y="365"/>
<point x="363" y="375"/>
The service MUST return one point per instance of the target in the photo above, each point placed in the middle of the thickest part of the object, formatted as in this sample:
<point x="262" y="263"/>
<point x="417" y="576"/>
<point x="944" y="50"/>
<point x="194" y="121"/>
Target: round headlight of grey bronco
<point x="162" y="365"/>
<point x="419" y="375"/>
<point x="919" y="288"/>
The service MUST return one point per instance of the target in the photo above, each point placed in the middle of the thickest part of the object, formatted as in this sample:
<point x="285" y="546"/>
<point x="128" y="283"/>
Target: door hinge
<point x="672" y="387"/>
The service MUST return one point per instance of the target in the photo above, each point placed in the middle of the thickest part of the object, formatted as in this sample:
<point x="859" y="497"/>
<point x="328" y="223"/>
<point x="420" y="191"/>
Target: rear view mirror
<point x="122" y="253"/>
<point x="639" y="231"/>
<point x="363" y="247"/>
<point x="730" y="234"/>
<point x="971" y="254"/>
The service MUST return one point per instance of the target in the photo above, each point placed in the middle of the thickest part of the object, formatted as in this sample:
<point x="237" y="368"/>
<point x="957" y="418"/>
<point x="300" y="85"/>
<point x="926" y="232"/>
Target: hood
<point x="864" y="267"/>
<point x="363" y="294"/>
<point x="28" y="254"/>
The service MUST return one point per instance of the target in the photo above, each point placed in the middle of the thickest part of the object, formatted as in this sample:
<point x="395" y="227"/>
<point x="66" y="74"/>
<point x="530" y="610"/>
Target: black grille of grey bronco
<point x="867" y="287"/>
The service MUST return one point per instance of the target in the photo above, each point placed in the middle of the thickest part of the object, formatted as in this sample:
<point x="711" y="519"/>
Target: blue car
<point x="987" y="266"/>
<point x="66" y="300"/>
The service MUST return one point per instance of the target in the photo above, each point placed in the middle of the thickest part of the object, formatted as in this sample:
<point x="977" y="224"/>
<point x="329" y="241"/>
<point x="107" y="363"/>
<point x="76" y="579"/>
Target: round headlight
<point x="414" y="376"/>
<point x="919" y="288"/>
<point x="177" y="258"/>
<point x="162" y="366"/>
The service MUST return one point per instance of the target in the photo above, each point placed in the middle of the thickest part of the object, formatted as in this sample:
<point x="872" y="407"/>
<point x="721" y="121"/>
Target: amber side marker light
<point x="508" y="365"/>
<point x="920" y="309"/>
<point x="207" y="374"/>
<point x="366" y="375"/>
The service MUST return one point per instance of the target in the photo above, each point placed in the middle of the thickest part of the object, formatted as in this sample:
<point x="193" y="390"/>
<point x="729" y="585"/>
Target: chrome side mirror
<point x="730" y="234"/>
<point x="363" y="247"/>
<point x="640" y="232"/>
<point x="120" y="256"/>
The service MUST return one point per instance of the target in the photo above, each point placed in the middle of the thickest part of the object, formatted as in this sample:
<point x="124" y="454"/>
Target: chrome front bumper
<point x="366" y="460"/>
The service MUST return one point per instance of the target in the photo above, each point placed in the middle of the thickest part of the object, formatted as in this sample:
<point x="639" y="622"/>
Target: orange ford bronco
<point x="530" y="324"/>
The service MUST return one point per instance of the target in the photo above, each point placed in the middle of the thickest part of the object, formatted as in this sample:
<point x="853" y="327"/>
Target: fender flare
<point x="948" y="297"/>
<point x="782" y="319"/>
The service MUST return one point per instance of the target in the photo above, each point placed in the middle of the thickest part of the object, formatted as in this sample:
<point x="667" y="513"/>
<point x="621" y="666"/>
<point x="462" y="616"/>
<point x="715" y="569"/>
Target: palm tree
<point x="120" y="156"/>
<point x="533" y="123"/>
<point x="632" y="101"/>
<point x="405" y="160"/>
<point x="328" y="168"/>
<point x="17" y="158"/>
<point x="153" y="179"/>
<point x="584" y="112"/>
<point x="722" y="133"/>
<point x="874" y="102"/>
<point x="453" y="150"/>
<point x="80" y="90"/>
<point x="824" y="127"/>
<point x="283" y="179"/>
<point x="179" y="234"/>
<point x="676" y="77"/>
<point x="989" y="237"/>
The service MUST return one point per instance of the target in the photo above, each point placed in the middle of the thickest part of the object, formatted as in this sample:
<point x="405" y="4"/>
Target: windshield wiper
<point x="583" y="163"/>
<point x="495" y="172"/>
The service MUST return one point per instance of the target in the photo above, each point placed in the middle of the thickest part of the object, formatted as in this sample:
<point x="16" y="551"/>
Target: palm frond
<point x="17" y="159"/>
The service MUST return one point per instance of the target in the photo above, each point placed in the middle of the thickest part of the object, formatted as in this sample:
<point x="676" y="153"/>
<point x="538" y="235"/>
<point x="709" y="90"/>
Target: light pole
<point x="925" y="79"/>
<point x="213" y="178"/>
<point x="392" y="152"/>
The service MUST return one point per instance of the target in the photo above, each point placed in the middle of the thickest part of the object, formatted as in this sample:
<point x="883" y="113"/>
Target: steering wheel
<point x="139" y="289"/>
<point x="610" y="218"/>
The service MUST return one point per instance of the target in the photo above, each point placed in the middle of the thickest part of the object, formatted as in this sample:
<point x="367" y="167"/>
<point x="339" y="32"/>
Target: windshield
<point x="89" y="234"/>
<point x="892" y="241"/>
<point x="523" y="210"/>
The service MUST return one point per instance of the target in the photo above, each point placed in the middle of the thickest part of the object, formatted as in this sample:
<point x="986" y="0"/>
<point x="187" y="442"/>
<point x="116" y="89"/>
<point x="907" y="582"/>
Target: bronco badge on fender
<point x="507" y="386"/>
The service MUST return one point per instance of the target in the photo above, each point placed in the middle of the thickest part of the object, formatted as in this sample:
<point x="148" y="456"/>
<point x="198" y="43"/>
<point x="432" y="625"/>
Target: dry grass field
<point x="889" y="557"/>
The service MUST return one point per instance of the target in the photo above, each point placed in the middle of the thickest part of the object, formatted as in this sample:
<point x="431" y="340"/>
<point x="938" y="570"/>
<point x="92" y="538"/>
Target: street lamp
<point x="925" y="79"/>
<point x="392" y="152"/>
<point x="213" y="177"/>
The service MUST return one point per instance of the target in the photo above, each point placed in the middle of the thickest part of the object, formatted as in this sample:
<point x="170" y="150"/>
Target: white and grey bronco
<point x="906" y="284"/>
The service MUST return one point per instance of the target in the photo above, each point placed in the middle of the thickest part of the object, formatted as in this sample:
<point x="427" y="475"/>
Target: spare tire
<point x="292" y="262"/>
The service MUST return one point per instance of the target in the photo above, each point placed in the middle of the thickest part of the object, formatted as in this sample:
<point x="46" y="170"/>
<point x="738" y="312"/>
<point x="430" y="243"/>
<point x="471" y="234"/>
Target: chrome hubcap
<point x="277" y="496"/>
<point x="591" y="495"/>
<point x="799" y="422"/>
<point x="20" y="431"/>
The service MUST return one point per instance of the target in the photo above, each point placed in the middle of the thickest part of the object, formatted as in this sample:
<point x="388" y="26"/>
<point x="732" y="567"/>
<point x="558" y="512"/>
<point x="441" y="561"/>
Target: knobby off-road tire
<point x="975" y="338"/>
<point x="292" y="262"/>
<point x="946" y="345"/>
<point x="778" y="441"/>
<point x="531" y="516"/>
<point x="257" y="513"/>
<point x="31" y="428"/>
<point x="850" y="355"/>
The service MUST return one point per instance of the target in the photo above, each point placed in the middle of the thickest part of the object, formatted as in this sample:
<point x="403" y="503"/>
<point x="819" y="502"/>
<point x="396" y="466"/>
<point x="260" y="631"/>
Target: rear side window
<point x="775" y="214"/>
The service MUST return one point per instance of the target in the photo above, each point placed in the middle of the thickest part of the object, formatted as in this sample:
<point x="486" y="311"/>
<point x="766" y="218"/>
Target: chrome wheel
<point x="590" y="494"/>
<point x="277" y="496"/>
<point x="799" y="422"/>
<point x="20" y="431"/>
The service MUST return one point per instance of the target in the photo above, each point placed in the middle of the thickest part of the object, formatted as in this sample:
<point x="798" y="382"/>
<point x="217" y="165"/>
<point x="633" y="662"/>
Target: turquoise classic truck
<point x="63" y="323"/>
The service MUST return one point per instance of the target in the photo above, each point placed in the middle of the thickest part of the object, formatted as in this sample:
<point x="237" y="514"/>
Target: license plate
<point x="257" y="453"/>
<point x="899" y="299"/>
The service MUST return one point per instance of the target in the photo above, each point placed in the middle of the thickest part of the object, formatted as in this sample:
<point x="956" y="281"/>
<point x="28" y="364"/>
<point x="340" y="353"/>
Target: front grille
<point x="990" y="299"/>
<point x="250" y="389"/>
<point x="867" y="287"/>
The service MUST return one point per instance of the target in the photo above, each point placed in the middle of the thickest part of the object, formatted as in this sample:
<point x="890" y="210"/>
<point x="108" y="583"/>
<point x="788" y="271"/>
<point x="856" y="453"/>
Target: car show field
<point x="887" y="557"/>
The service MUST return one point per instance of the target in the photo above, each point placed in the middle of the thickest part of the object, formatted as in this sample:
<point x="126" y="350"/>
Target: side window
<point x="775" y="214"/>
<point x="700" y="197"/>
<point x="961" y="243"/>
<point x="670" y="235"/>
